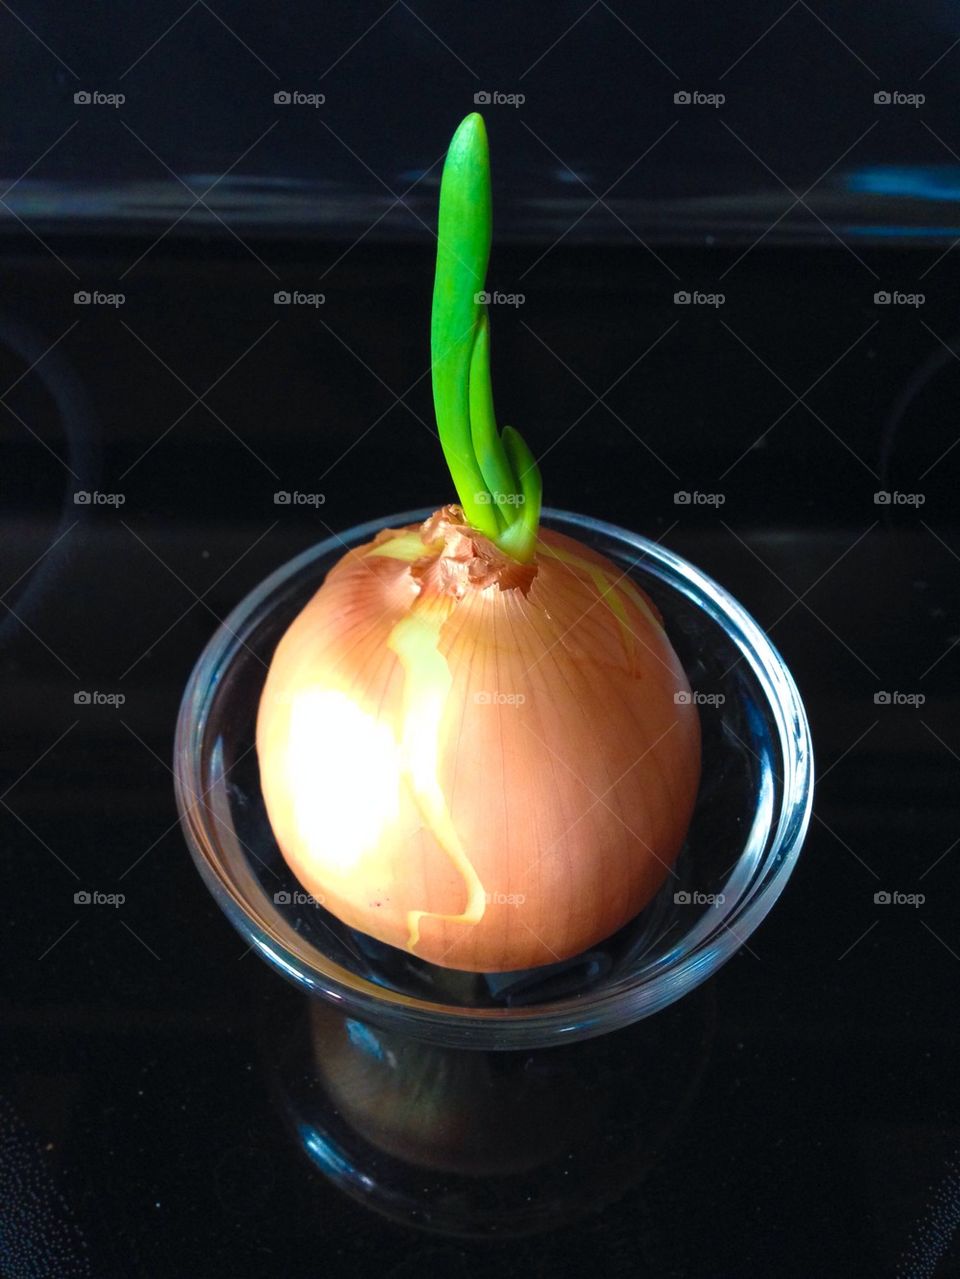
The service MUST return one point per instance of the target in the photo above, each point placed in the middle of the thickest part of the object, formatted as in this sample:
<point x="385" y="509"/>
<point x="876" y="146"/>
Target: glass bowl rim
<point x="573" y="1017"/>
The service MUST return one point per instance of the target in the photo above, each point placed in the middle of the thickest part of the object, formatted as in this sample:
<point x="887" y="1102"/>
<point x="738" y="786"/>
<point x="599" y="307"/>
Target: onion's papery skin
<point x="483" y="762"/>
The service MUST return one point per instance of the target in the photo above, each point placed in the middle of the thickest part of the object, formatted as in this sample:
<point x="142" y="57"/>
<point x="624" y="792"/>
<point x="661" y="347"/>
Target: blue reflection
<point x="322" y="1152"/>
<point x="363" y="1037"/>
<point x="923" y="182"/>
<point x="329" y="1159"/>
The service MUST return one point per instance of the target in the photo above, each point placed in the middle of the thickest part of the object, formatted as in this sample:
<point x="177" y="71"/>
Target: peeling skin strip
<point x="607" y="589"/>
<point x="427" y="682"/>
<point x="406" y="546"/>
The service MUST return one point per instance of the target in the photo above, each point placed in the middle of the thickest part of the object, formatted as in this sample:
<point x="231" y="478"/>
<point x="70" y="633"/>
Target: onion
<point x="484" y="762"/>
<point x="476" y="742"/>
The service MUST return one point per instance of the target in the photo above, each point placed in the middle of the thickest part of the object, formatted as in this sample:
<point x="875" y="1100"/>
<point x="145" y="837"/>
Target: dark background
<point x="139" y="1130"/>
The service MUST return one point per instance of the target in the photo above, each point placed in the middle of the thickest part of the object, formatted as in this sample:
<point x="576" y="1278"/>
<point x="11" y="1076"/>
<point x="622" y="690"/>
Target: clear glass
<point x="749" y="822"/>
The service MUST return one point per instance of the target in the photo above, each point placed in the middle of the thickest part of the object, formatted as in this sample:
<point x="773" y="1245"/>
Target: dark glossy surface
<point x="590" y="139"/>
<point x="825" y="1122"/>
<point x="799" y="1114"/>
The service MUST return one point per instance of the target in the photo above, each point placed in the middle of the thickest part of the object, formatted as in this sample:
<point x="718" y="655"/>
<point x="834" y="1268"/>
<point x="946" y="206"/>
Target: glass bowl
<point x="750" y="819"/>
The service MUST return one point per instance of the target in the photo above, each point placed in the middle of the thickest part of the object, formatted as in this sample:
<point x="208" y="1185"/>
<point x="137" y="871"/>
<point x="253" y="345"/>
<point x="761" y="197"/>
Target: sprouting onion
<point x="476" y="741"/>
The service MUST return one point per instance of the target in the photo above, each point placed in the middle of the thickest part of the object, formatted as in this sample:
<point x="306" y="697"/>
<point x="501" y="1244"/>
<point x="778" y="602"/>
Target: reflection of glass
<point x="751" y="815"/>
<point x="484" y="1143"/>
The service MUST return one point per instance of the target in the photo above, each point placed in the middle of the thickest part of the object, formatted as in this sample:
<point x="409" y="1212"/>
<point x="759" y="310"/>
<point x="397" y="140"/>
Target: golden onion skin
<point x="483" y="762"/>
